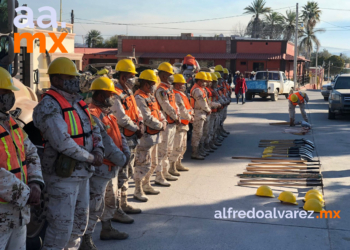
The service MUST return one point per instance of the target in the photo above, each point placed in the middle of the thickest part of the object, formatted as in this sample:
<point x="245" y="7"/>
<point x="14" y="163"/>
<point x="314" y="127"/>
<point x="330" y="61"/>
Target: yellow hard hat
<point x="148" y="75"/>
<point x="219" y="68"/>
<point x="201" y="76"/>
<point x="294" y="98"/>
<point x="264" y="191"/>
<point x="218" y="75"/>
<point x="209" y="76"/>
<point x="226" y="71"/>
<point x="6" y="81"/>
<point x="314" y="196"/>
<point x="313" y="191"/>
<point x="214" y="77"/>
<point x="165" y="66"/>
<point x="313" y="205"/>
<point x="179" y="78"/>
<point x="63" y="66"/>
<point x="126" y="65"/>
<point x="103" y="72"/>
<point x="288" y="197"/>
<point x="103" y="83"/>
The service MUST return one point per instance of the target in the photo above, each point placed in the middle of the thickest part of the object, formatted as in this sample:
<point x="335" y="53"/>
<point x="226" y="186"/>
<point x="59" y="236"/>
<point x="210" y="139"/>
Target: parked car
<point x="339" y="99"/>
<point x="269" y="83"/>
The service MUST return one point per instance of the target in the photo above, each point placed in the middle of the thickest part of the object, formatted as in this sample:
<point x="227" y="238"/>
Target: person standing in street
<point x="298" y="98"/>
<point x="241" y="88"/>
<point x="130" y="124"/>
<point x="21" y="178"/>
<point x="166" y="99"/>
<point x="102" y="203"/>
<point x="73" y="146"/>
<point x="146" y="159"/>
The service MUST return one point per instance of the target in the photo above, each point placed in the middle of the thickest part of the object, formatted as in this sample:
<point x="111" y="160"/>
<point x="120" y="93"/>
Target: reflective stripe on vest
<point x="187" y="105"/>
<point x="193" y="101"/>
<point x="71" y="117"/>
<point x="11" y="147"/>
<point x="172" y="102"/>
<point x="154" y="108"/>
<point x="112" y="129"/>
<point x="301" y="99"/>
<point x="130" y="109"/>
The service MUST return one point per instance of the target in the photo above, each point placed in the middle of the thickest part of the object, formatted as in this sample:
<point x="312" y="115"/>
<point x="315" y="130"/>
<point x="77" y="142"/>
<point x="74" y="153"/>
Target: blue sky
<point x="335" y="39"/>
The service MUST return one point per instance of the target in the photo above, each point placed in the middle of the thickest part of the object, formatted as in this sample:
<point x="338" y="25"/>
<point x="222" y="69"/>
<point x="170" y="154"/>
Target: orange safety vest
<point x="71" y="117"/>
<point x="196" y="86"/>
<point x="153" y="106"/>
<point x="112" y="129"/>
<point x="130" y="108"/>
<point x="216" y="99"/>
<point x="301" y="99"/>
<point x="171" y="97"/>
<point x="187" y="105"/>
<point x="11" y="147"/>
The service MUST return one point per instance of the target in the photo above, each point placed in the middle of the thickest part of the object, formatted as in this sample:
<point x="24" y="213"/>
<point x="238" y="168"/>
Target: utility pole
<point x="329" y="70"/>
<point x="317" y="67"/>
<point x="72" y="19"/>
<point x="61" y="12"/>
<point x="296" y="48"/>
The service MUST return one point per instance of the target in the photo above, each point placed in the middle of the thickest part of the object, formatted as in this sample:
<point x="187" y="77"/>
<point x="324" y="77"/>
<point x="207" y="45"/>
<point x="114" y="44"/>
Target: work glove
<point x="98" y="158"/>
<point x="35" y="193"/>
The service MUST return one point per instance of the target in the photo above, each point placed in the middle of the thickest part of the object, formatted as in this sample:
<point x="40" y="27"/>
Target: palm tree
<point x="289" y="25"/>
<point x="93" y="37"/>
<point x="308" y="39"/>
<point x="273" y="23"/>
<point x="311" y="14"/>
<point x="256" y="8"/>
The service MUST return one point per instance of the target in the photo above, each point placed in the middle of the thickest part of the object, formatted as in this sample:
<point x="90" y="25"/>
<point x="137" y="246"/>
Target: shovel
<point x="296" y="141"/>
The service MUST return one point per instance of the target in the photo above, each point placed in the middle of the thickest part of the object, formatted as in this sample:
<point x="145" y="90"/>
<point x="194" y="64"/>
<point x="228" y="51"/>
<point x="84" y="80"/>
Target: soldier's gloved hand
<point x="164" y="126"/>
<point x="141" y="131"/>
<point x="177" y="122"/>
<point x="34" y="196"/>
<point x="192" y="119"/>
<point x="98" y="158"/>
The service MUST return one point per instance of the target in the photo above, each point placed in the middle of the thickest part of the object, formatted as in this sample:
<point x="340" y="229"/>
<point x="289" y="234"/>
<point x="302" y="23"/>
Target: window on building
<point x="243" y="63"/>
<point x="206" y="63"/>
<point x="258" y="66"/>
<point x="158" y="61"/>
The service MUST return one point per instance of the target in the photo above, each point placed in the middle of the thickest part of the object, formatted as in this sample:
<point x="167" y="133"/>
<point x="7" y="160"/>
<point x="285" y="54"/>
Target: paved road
<point x="182" y="216"/>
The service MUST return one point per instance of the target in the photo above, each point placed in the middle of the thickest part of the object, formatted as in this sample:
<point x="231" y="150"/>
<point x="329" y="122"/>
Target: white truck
<point x="269" y="83"/>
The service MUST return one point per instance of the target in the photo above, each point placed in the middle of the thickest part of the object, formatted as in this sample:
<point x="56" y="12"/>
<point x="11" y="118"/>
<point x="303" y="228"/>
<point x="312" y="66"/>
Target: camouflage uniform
<point x="166" y="146"/>
<point x="212" y="119"/>
<point x="68" y="205"/>
<point x="102" y="177"/>
<point x="291" y="107"/>
<point x="15" y="215"/>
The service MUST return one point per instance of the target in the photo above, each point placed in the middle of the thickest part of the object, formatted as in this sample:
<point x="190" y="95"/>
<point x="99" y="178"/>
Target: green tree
<point x="289" y="25"/>
<point x="257" y="8"/>
<point x="322" y="57"/>
<point x="311" y="14"/>
<point x="308" y="40"/>
<point x="93" y="38"/>
<point x="273" y="25"/>
<point x="338" y="64"/>
<point x="111" y="42"/>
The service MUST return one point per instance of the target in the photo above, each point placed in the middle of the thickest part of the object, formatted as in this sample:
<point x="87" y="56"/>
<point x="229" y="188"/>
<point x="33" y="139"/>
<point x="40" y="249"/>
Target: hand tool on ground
<point x="280" y="168"/>
<point x="280" y="180"/>
<point x="274" y="161"/>
<point x="276" y="175"/>
<point x="300" y="155"/>
<point x="296" y="141"/>
<point x="281" y="171"/>
<point x="290" y="151"/>
<point x="277" y="164"/>
<point x="286" y="146"/>
<point x="281" y="184"/>
<point x="264" y="159"/>
<point x="290" y="148"/>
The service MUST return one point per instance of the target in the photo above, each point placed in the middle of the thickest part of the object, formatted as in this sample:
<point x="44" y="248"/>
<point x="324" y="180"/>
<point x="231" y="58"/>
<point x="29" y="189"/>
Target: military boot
<point x="212" y="145"/>
<point x="146" y="185"/>
<point x="160" y="180"/>
<point x="110" y="233"/>
<point x="207" y="147"/>
<point x="168" y="176"/>
<point x="126" y="207"/>
<point x="181" y="167"/>
<point x="201" y="150"/>
<point x="173" y="170"/>
<point x="195" y="155"/>
<point x="119" y="215"/>
<point x="87" y="243"/>
<point x="138" y="193"/>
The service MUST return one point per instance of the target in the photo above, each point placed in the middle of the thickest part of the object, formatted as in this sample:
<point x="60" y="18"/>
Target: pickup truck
<point x="269" y="83"/>
<point x="339" y="98"/>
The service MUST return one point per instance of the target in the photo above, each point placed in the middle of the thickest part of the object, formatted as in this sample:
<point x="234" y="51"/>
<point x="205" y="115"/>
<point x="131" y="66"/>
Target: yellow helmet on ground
<point x="264" y="191"/>
<point x="294" y="98"/>
<point x="218" y="75"/>
<point x="313" y="205"/>
<point x="219" y="68"/>
<point x="126" y="65"/>
<point x="313" y="191"/>
<point x="148" y="75"/>
<point x="201" y="76"/>
<point x="210" y="79"/>
<point x="165" y="66"/>
<point x="214" y="77"/>
<point x="6" y="81"/>
<point x="179" y="78"/>
<point x="226" y="71"/>
<point x="314" y="196"/>
<point x="288" y="197"/>
<point x="63" y="66"/>
<point x="103" y="83"/>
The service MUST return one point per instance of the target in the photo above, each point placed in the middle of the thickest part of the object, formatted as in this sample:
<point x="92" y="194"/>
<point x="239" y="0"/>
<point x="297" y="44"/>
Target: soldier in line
<point x="73" y="146"/>
<point x="21" y="178"/>
<point x="220" y="135"/>
<point x="223" y="87"/>
<point x="147" y="152"/>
